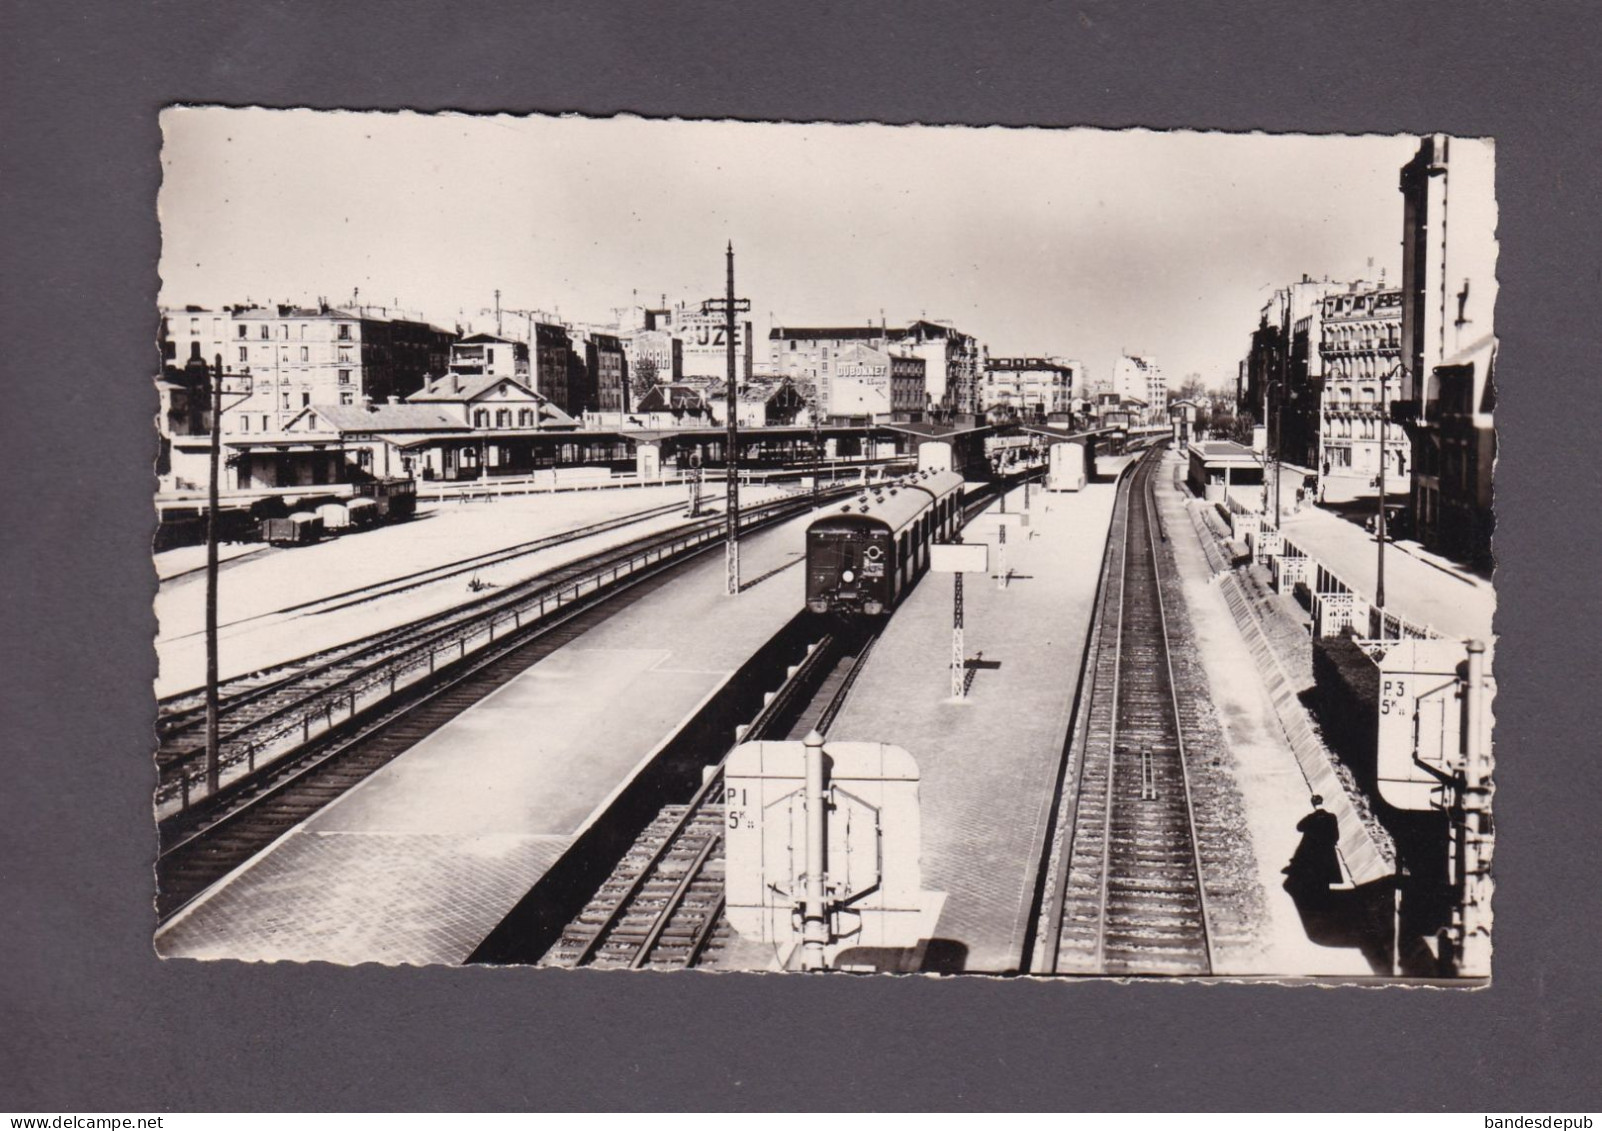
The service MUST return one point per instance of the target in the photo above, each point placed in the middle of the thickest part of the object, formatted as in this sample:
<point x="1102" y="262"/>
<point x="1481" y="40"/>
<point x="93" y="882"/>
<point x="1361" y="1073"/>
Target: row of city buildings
<point x="1371" y="378"/>
<point x="296" y="374"/>
<point x="297" y="356"/>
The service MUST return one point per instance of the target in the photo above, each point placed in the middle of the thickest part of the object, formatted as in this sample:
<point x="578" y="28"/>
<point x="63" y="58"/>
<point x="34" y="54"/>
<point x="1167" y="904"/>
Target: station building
<point x="456" y="427"/>
<point x="1218" y="467"/>
<point x="1183" y="416"/>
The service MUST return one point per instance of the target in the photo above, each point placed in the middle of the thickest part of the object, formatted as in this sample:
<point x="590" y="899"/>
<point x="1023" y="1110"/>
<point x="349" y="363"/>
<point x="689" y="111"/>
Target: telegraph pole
<point x="1279" y="407"/>
<point x="1379" y="580"/>
<point x="213" y="532"/>
<point x="817" y="449"/>
<point x="213" y="501"/>
<point x="729" y="306"/>
<point x="959" y="651"/>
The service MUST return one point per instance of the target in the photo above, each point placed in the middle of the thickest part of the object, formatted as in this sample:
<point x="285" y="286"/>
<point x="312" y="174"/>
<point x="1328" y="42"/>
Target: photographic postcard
<point x="649" y="544"/>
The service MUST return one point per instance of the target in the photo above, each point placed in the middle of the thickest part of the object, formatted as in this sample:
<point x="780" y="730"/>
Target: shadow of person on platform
<point x="1332" y="914"/>
<point x="1361" y="918"/>
<point x="1316" y="863"/>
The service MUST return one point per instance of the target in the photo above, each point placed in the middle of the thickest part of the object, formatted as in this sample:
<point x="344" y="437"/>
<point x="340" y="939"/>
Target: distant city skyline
<point x="1076" y="243"/>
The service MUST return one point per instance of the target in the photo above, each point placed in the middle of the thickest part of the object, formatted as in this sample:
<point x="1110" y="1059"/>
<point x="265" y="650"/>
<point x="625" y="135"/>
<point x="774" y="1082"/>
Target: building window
<point x="503" y="418"/>
<point x="266" y="332"/>
<point x="244" y="352"/>
<point x="305" y="354"/>
<point x="305" y="399"/>
<point x="244" y="423"/>
<point x="481" y="418"/>
<point x="344" y="331"/>
<point x="344" y="376"/>
<point x="303" y="331"/>
<point x="525" y="417"/>
<point x="283" y="400"/>
<point x="344" y="355"/>
<point x="347" y="396"/>
<point x="194" y="326"/>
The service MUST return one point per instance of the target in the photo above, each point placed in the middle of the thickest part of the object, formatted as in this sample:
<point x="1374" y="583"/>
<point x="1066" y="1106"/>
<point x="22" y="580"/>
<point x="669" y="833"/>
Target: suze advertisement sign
<point x="705" y="338"/>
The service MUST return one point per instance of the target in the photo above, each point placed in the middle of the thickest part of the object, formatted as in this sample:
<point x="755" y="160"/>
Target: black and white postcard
<point x="740" y="546"/>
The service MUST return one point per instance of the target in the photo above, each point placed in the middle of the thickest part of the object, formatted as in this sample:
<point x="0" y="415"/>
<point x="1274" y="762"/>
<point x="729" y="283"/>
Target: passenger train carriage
<point x="861" y="557"/>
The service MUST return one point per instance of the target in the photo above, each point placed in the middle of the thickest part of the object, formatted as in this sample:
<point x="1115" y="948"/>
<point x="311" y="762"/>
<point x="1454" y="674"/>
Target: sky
<point x="1074" y="243"/>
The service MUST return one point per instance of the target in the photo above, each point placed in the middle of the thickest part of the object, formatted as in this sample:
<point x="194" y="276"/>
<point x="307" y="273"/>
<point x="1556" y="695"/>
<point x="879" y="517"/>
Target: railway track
<point x="202" y="844"/>
<point x="278" y="711"/>
<point x="662" y="907"/>
<point x="180" y="717"/>
<point x="197" y="854"/>
<point x="1128" y="898"/>
<point x="183" y="704"/>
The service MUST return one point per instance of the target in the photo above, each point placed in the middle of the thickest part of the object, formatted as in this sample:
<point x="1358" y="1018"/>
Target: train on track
<point x="861" y="557"/>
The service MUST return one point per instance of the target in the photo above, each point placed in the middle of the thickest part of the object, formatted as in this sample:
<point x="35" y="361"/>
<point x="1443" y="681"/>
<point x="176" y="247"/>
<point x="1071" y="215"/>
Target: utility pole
<point x="1384" y="456"/>
<point x="213" y="532"/>
<point x="959" y="651"/>
<point x="1279" y="407"/>
<point x="817" y="449"/>
<point x="213" y="501"/>
<point x="728" y="306"/>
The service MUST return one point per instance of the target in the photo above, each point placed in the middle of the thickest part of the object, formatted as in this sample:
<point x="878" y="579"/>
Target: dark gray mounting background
<point x="93" y="1022"/>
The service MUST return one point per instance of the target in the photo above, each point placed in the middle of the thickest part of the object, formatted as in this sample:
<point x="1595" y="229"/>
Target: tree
<point x="1192" y="388"/>
<point x="1240" y="428"/>
<point x="643" y="378"/>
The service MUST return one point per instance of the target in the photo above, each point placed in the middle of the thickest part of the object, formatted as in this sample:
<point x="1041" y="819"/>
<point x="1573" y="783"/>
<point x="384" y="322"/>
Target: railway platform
<point x="280" y="604"/>
<point x="989" y="761"/>
<point x="1276" y="765"/>
<point x="1423" y="587"/>
<point x="422" y="860"/>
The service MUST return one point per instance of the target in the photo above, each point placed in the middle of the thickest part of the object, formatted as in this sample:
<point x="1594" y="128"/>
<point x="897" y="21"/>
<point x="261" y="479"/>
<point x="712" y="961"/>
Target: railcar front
<point x="862" y="558"/>
<point x="850" y="565"/>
